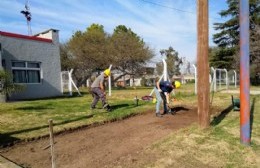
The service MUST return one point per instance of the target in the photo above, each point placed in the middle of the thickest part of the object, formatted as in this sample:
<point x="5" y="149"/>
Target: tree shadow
<point x="217" y="119"/>
<point x="252" y="116"/>
<point x="7" y="138"/>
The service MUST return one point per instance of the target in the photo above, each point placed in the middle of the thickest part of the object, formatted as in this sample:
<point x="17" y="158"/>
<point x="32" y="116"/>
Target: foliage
<point x="228" y="36"/>
<point x="89" y="52"/>
<point x="6" y="84"/>
<point x="67" y="59"/>
<point x="220" y="57"/>
<point x="94" y="50"/>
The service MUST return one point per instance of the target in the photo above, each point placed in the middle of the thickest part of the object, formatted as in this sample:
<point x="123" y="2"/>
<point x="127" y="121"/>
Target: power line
<point x="176" y="9"/>
<point x="157" y="4"/>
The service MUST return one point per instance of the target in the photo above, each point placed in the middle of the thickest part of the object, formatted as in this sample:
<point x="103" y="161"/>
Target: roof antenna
<point x="28" y="17"/>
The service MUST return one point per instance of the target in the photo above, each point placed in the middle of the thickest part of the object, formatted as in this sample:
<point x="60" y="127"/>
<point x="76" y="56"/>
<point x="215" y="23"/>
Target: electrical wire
<point x="157" y="4"/>
<point x="176" y="9"/>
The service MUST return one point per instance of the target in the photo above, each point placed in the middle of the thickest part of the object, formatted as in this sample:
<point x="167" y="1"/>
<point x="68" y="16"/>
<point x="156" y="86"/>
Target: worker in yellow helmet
<point x="98" y="90"/>
<point x="162" y="91"/>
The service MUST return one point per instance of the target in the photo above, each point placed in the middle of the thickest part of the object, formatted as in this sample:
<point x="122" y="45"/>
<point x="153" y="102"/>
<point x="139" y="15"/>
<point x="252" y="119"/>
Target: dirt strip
<point x="101" y="146"/>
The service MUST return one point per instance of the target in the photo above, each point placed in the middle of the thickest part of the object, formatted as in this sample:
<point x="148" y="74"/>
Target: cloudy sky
<point x="161" y="23"/>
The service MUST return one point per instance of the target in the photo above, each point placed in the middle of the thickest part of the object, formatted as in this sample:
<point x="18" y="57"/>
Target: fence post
<point x="52" y="144"/>
<point x="195" y="77"/>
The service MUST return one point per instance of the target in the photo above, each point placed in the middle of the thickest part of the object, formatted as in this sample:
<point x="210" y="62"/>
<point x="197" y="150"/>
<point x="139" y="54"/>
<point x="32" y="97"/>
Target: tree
<point x="67" y="59"/>
<point x="94" y="50"/>
<point x="221" y="57"/>
<point x="89" y="52"/>
<point x="173" y="61"/>
<point x="228" y="37"/>
<point x="130" y="53"/>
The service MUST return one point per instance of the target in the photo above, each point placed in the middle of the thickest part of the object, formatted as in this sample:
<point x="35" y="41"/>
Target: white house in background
<point x="148" y="73"/>
<point x="34" y="62"/>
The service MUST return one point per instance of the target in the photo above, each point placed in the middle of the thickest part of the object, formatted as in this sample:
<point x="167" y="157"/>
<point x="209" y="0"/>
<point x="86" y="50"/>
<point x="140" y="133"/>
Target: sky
<point x="160" y="23"/>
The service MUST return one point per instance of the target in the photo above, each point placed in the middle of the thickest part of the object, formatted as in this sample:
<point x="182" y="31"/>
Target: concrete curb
<point x="252" y="92"/>
<point x="5" y="163"/>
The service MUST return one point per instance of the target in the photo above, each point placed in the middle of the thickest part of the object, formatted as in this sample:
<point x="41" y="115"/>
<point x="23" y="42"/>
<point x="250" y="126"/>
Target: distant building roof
<point x="13" y="35"/>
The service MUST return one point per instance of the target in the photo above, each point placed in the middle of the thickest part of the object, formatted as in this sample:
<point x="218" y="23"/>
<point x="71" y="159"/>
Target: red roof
<point x="7" y="34"/>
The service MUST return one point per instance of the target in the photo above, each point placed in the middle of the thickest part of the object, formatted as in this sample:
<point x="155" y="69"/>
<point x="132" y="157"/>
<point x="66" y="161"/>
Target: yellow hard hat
<point x="177" y="84"/>
<point x="107" y="72"/>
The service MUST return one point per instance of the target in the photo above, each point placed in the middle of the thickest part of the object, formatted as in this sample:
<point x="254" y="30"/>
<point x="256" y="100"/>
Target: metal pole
<point x="214" y="79"/>
<point x="203" y="63"/>
<point x="109" y="82"/>
<point x="235" y="79"/>
<point x="195" y="77"/>
<point x="226" y="78"/>
<point x="70" y="83"/>
<point x="164" y="70"/>
<point x="220" y="80"/>
<point x="244" y="73"/>
<point x="164" y="75"/>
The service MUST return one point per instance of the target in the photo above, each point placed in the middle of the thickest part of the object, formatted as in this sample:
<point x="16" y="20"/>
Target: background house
<point x="33" y="61"/>
<point x="145" y="77"/>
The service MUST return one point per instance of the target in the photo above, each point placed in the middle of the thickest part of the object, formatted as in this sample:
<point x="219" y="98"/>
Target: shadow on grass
<point x="34" y="108"/>
<point x="65" y="95"/>
<point x="114" y="107"/>
<point x="252" y="116"/>
<point x="221" y="116"/>
<point x="7" y="138"/>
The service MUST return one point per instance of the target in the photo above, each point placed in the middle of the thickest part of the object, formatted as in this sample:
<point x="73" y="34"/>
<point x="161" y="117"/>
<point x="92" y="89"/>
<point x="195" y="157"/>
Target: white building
<point x="34" y="61"/>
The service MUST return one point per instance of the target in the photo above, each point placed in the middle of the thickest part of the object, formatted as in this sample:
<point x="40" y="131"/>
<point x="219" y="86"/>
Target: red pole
<point x="244" y="73"/>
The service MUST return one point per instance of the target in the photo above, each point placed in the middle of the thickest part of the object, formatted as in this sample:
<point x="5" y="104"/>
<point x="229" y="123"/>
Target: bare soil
<point x="113" y="144"/>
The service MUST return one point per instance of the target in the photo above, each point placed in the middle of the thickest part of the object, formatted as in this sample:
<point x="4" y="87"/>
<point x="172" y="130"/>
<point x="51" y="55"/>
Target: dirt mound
<point x="102" y="146"/>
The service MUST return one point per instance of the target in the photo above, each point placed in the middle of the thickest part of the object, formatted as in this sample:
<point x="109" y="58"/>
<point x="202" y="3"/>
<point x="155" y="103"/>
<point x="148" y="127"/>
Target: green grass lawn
<point x="217" y="146"/>
<point x="29" y="119"/>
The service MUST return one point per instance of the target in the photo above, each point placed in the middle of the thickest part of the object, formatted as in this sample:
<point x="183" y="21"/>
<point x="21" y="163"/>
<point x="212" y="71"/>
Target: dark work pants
<point x="164" y="102"/>
<point x="97" y="94"/>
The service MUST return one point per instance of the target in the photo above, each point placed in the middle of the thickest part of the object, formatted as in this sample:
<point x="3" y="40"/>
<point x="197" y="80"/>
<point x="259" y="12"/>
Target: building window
<point x="26" y="72"/>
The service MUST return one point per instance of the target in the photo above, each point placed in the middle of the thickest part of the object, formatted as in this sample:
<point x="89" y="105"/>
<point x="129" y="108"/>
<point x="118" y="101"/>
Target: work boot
<point x="158" y="115"/>
<point x="107" y="107"/>
<point x="164" y="113"/>
<point x="173" y="112"/>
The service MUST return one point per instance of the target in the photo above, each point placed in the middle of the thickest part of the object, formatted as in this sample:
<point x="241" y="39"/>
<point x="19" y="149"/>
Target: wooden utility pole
<point x="203" y="63"/>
